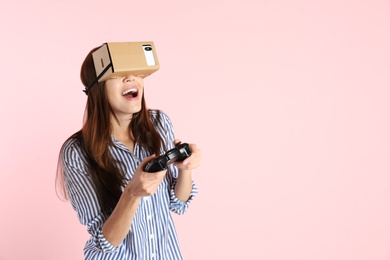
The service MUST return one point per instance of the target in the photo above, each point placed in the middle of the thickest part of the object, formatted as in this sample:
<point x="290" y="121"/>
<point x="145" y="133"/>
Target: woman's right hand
<point x="144" y="183"/>
<point x="117" y="226"/>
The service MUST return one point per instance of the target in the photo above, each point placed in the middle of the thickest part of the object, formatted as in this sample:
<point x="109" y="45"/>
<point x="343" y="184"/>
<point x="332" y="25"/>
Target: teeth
<point x="132" y="90"/>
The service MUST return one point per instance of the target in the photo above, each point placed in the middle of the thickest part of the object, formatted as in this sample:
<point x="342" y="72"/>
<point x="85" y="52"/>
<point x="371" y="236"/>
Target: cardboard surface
<point x="137" y="58"/>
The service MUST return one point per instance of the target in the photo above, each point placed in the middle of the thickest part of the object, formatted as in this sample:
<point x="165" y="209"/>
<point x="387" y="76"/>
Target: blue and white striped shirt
<point x="152" y="234"/>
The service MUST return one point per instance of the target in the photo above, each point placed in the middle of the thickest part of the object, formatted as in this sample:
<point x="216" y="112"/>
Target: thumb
<point x="146" y="160"/>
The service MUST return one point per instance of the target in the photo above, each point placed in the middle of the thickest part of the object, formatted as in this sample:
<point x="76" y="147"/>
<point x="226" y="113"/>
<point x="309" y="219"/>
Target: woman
<point x="126" y="210"/>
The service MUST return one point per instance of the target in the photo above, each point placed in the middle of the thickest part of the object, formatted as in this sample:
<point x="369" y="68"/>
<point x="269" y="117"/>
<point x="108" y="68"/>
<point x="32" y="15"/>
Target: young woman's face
<point x="125" y="94"/>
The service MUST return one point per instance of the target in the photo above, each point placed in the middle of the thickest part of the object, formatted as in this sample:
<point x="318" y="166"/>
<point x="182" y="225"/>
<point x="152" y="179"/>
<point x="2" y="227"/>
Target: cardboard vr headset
<point x="115" y="59"/>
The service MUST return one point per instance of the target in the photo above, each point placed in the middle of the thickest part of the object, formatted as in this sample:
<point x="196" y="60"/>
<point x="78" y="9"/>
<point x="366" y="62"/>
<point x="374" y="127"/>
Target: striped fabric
<point x="152" y="234"/>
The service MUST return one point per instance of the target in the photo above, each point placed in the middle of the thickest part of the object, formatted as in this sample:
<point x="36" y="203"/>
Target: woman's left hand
<point x="192" y="161"/>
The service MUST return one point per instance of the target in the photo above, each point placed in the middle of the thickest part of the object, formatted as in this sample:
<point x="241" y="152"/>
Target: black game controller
<point x="177" y="154"/>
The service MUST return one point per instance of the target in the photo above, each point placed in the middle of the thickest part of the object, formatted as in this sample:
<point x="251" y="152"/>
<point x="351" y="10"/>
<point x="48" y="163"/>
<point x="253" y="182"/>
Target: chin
<point x="134" y="110"/>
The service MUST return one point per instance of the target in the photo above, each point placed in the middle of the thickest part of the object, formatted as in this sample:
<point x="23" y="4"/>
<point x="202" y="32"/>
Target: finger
<point x="177" y="142"/>
<point x="187" y="161"/>
<point x="146" y="160"/>
<point x="157" y="177"/>
<point x="193" y="161"/>
<point x="193" y="147"/>
<point x="160" y="173"/>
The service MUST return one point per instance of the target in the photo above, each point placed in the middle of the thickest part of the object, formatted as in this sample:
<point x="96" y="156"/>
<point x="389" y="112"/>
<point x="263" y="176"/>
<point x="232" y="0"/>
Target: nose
<point x="129" y="78"/>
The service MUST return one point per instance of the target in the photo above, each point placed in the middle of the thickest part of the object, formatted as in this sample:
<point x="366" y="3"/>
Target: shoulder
<point x="73" y="156"/>
<point x="72" y="147"/>
<point x="159" y="117"/>
<point x="162" y="123"/>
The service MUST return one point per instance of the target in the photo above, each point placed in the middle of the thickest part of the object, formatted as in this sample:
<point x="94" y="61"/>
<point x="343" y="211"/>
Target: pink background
<point x="289" y="102"/>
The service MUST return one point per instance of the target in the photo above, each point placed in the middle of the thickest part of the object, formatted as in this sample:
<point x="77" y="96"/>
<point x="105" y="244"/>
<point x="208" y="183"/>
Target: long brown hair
<point x="95" y="139"/>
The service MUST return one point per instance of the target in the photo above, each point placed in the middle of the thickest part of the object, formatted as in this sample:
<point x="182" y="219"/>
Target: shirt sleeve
<point x="176" y="205"/>
<point x="83" y="197"/>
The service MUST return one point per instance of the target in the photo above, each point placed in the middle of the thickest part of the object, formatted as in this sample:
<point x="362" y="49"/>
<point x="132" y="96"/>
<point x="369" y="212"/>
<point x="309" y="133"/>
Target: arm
<point x="183" y="186"/>
<point x="117" y="226"/>
<point x="182" y="189"/>
<point x="107" y="234"/>
<point x="184" y="182"/>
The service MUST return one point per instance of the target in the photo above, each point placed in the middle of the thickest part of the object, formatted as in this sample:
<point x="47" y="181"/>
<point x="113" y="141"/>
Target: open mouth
<point x="132" y="92"/>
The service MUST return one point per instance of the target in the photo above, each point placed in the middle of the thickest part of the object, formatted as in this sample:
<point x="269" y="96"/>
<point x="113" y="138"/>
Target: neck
<point x="120" y="128"/>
